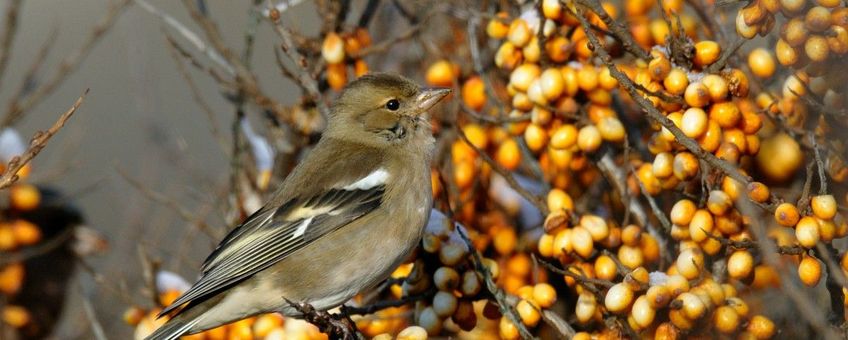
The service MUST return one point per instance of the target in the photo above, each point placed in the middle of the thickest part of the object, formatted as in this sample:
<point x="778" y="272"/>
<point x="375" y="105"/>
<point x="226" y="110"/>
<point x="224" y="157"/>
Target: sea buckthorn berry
<point x="528" y="312"/>
<point x="779" y="157"/>
<point x="523" y="76"/>
<point x="658" y="296"/>
<point x="726" y="114"/>
<point x="24" y="197"/>
<point x="744" y="30"/>
<point x="677" y="119"/>
<point x="618" y="298"/>
<point x="685" y="166"/>
<point x="507" y="330"/>
<point x="26" y="233"/>
<point x="559" y="200"/>
<point x="605" y="268"/>
<point x="817" y="19"/>
<point x="693" y="307"/>
<point x="719" y="202"/>
<point x="332" y="49"/>
<point x="817" y="48"/>
<point x="824" y="206"/>
<point x="611" y="129"/>
<point x="536" y="137"/>
<point x="726" y="319"/>
<point x="758" y="192"/>
<point x="496" y="28"/>
<point x="697" y="95"/>
<point x="706" y="53"/>
<point x="682" y="212"/>
<point x="786" y="55"/>
<point x="508" y="154"/>
<point x="544" y="294"/>
<point x="761" y="63"/>
<point x="711" y="140"/>
<point x="446" y="278"/>
<point x="587" y="78"/>
<point x="581" y="241"/>
<point x="737" y="81"/>
<point x="837" y="41"/>
<point x="663" y="165"/>
<point x="794" y="32"/>
<point x="508" y="56"/>
<point x="586" y="307"/>
<point x="809" y="270"/>
<point x="643" y="313"/>
<point x="786" y="214"/>
<point x="740" y="265"/>
<point x="441" y="73"/>
<point x="690" y="263"/>
<point x="807" y="232"/>
<point x="694" y="122"/>
<point x="676" y="81"/>
<point x="760" y="326"/>
<point x="519" y="32"/>
<point x="589" y="138"/>
<point x="596" y="226"/>
<point x="701" y="226"/>
<point x="473" y="93"/>
<point x="717" y="87"/>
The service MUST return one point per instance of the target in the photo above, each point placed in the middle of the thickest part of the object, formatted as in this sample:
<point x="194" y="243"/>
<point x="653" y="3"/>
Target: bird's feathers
<point x="270" y="234"/>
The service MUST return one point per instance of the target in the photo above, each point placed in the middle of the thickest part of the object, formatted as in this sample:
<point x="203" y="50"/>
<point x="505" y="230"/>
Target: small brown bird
<point x="340" y="223"/>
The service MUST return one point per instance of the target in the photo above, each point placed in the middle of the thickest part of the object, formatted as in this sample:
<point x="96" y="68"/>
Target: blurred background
<point x="139" y="120"/>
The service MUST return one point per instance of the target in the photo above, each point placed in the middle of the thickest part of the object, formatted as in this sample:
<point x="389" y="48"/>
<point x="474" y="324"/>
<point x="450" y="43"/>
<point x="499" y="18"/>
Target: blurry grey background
<point x="140" y="118"/>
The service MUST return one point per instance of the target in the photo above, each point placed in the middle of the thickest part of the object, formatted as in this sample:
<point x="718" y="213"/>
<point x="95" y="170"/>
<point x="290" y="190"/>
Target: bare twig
<point x="91" y="315"/>
<point x="8" y="39"/>
<point x="819" y="165"/>
<point x="380" y="305"/>
<point x="67" y="66"/>
<point x="617" y="29"/>
<point x="304" y="77"/>
<point x="38" y="142"/>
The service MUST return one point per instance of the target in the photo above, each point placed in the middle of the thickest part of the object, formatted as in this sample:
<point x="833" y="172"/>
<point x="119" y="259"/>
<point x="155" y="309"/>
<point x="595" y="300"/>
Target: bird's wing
<point x="271" y="234"/>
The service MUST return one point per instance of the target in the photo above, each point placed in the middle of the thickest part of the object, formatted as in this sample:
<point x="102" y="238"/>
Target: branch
<point x="303" y="76"/>
<point x="617" y="29"/>
<point x="657" y="116"/>
<point x="38" y="142"/>
<point x="12" y="11"/>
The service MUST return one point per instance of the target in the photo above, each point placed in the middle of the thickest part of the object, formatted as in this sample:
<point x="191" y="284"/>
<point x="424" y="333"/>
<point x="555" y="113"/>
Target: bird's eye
<point x="393" y="105"/>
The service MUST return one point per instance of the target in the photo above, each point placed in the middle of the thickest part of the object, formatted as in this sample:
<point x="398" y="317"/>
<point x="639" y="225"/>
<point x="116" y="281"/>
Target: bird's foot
<point x="337" y="326"/>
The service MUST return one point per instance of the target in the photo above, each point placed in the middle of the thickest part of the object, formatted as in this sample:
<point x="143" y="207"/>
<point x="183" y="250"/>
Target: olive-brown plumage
<point x="345" y="217"/>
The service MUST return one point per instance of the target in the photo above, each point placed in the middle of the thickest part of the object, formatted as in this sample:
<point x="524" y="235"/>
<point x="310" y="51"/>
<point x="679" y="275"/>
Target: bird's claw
<point x="337" y="326"/>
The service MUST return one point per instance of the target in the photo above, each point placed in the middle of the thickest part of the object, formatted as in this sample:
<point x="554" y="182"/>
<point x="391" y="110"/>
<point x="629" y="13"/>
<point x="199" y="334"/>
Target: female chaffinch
<point x="340" y="223"/>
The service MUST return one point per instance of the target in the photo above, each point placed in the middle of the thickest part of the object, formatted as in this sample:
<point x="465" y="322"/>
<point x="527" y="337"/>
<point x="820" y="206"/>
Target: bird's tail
<point x="172" y="330"/>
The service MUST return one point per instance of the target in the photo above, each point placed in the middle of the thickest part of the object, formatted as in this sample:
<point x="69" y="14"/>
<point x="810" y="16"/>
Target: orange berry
<point x="519" y="32"/>
<point x="760" y="326"/>
<point x="809" y="270"/>
<point x="332" y="49"/>
<point x="761" y="63"/>
<point x="824" y="206"/>
<point x="11" y="278"/>
<point x="496" y="28"/>
<point x="26" y="233"/>
<point x="706" y="53"/>
<point x="589" y="138"/>
<point x="786" y="214"/>
<point x="694" y="122"/>
<point x="758" y="192"/>
<point x="676" y="81"/>
<point x="336" y="76"/>
<point x="474" y="93"/>
<point x="740" y="265"/>
<point x="24" y="197"/>
<point x="441" y="73"/>
<point x="807" y="232"/>
<point x="508" y="154"/>
<point x="697" y="95"/>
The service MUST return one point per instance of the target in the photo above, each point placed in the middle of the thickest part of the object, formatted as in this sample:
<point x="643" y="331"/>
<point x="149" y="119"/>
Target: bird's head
<point x="384" y="110"/>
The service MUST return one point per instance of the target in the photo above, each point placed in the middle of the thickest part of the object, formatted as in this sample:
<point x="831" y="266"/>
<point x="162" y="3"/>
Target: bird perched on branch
<point x="340" y="223"/>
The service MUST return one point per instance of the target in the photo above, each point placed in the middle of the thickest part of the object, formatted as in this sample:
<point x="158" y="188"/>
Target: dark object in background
<point x="48" y="274"/>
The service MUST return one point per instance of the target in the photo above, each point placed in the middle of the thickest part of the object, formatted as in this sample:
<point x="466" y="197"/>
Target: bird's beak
<point x="429" y="97"/>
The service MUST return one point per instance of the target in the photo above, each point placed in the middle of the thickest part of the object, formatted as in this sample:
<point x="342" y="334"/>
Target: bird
<point x="342" y="220"/>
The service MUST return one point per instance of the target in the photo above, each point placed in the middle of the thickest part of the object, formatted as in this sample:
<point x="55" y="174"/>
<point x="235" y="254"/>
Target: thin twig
<point x="66" y="67"/>
<point x="304" y="77"/>
<point x="655" y="115"/>
<point x="38" y="142"/>
<point x="12" y="11"/>
<point x="819" y="165"/>
<point x="617" y="29"/>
